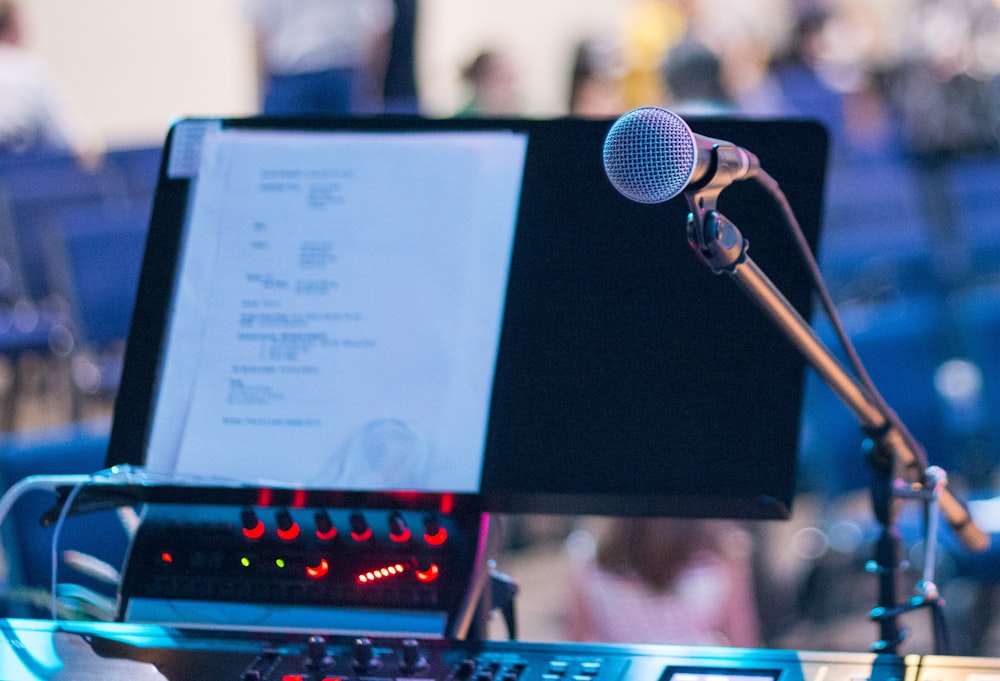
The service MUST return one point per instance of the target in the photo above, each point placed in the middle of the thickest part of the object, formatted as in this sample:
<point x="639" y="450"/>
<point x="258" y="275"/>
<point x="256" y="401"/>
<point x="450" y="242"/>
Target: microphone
<point x="651" y="155"/>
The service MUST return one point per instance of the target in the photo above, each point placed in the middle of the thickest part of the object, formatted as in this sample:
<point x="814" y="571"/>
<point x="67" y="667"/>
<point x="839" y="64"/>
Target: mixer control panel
<point x="219" y="656"/>
<point x="373" y="558"/>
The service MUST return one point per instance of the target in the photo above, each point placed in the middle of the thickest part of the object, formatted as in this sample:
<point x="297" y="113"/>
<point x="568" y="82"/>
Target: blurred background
<point x="909" y="92"/>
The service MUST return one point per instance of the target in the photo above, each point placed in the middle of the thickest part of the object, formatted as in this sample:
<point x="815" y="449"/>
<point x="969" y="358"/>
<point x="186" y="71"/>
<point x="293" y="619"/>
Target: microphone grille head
<point x="650" y="154"/>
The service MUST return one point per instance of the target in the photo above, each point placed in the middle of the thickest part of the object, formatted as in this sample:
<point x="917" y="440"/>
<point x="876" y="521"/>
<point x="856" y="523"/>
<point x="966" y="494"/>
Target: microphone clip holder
<point x="716" y="241"/>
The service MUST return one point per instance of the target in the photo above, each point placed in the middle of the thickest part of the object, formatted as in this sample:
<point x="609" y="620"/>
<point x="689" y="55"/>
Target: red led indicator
<point x="255" y="532"/>
<point x="403" y="536"/>
<point x="325" y="529"/>
<point x="362" y="536"/>
<point x="428" y="575"/>
<point x="381" y="573"/>
<point x="167" y="557"/>
<point x="437" y="538"/>
<point x="319" y="570"/>
<point x="289" y="534"/>
<point x="293" y="677"/>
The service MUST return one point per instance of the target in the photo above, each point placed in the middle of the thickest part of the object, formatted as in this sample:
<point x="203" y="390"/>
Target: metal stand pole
<point x="894" y="452"/>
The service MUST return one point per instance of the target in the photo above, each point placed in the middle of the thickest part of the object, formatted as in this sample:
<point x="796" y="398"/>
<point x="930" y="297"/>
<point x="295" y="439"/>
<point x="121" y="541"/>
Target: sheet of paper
<point x="338" y="309"/>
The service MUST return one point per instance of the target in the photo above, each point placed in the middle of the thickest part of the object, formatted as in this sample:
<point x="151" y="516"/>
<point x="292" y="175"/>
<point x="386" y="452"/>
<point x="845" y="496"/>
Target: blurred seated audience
<point x="34" y="112"/>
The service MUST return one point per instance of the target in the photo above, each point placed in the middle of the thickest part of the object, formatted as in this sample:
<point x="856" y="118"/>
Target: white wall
<point x="132" y="66"/>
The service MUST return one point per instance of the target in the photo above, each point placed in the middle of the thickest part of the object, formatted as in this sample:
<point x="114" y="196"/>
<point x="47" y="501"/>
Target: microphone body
<point x="651" y="155"/>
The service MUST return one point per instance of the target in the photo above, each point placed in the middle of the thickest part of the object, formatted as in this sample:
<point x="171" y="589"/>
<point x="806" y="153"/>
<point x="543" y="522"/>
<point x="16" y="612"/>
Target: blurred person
<point x="692" y="77"/>
<point x="400" y="91"/>
<point x="651" y="28"/>
<point x="34" y="111"/>
<point x="858" y="40"/>
<point x="596" y="82"/>
<point x="822" y="78"/>
<point x="744" y="36"/>
<point x="318" y="57"/>
<point x="492" y="84"/>
<point x="799" y="69"/>
<point x="662" y="580"/>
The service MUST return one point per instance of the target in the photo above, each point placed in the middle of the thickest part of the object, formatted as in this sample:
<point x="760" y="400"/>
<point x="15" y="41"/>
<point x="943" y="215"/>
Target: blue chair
<point x="974" y="183"/>
<point x="27" y="326"/>
<point x="95" y="259"/>
<point x="901" y="344"/>
<point x="977" y="311"/>
<point x="97" y="266"/>
<point x="39" y="185"/>
<point x="75" y="239"/>
<point x="139" y="168"/>
<point x="875" y="238"/>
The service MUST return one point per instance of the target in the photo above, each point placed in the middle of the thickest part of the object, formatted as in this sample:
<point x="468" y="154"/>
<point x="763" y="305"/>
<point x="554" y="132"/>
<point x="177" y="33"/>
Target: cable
<point x="52" y="483"/>
<point x="819" y="285"/>
<point x="48" y="483"/>
<point x="63" y="513"/>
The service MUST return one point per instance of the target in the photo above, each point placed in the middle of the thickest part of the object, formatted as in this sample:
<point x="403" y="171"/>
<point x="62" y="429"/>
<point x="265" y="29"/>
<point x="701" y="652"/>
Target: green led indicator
<point x="280" y="562"/>
<point x="244" y="561"/>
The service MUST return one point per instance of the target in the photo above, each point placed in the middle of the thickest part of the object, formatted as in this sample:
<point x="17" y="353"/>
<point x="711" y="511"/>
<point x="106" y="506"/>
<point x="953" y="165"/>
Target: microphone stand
<point x="891" y="449"/>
